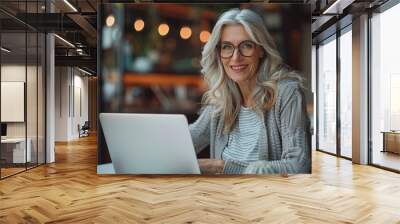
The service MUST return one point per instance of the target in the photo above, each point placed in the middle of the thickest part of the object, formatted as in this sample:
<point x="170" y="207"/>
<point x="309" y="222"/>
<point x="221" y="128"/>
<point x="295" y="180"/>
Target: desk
<point x="391" y="141"/>
<point x="16" y="147"/>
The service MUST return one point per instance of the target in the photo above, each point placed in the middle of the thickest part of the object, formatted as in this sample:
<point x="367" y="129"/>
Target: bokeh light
<point x="163" y="29"/>
<point x="186" y="32"/>
<point x="204" y="35"/>
<point x="110" y="20"/>
<point x="139" y="25"/>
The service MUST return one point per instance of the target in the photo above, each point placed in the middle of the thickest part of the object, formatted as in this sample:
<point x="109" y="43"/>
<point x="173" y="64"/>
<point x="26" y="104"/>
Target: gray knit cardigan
<point x="287" y="134"/>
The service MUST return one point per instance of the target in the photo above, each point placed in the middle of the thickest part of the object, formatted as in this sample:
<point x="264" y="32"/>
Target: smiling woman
<point x="241" y="66"/>
<point x="254" y="113"/>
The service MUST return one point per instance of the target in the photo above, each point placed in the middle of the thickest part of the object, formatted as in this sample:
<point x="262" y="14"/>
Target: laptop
<point x="149" y="143"/>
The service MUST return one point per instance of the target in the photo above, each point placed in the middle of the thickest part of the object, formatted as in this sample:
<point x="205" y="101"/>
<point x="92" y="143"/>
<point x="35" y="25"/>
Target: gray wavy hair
<point x="223" y="92"/>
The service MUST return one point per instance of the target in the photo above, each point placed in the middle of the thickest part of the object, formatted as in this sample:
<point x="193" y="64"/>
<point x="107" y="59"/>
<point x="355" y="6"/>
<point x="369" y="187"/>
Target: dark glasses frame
<point x="236" y="47"/>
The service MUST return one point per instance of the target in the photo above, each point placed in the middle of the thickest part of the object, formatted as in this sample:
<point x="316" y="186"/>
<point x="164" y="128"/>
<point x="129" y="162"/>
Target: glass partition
<point x="22" y="88"/>
<point x="14" y="154"/>
<point x="31" y="100"/>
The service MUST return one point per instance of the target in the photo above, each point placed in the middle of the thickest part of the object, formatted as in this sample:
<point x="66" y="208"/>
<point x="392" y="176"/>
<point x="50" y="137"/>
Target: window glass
<point x="385" y="87"/>
<point x="346" y="94"/>
<point x="327" y="96"/>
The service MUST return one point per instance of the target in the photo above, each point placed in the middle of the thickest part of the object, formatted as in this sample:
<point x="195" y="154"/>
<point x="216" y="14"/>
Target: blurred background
<point x="150" y="54"/>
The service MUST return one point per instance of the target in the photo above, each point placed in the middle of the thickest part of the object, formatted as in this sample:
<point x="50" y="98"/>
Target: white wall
<point x="14" y="73"/>
<point x="71" y="94"/>
<point x="62" y="81"/>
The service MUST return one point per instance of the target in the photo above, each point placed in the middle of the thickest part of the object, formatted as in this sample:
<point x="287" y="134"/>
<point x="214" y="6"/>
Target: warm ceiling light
<point x="5" y="50"/>
<point x="65" y="41"/>
<point x="186" y="32"/>
<point x="139" y="25"/>
<point x="204" y="35"/>
<point x="110" y="20"/>
<point x="70" y="5"/>
<point x="163" y="29"/>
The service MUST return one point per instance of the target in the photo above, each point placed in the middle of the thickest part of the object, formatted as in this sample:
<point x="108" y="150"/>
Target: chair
<point x="84" y="130"/>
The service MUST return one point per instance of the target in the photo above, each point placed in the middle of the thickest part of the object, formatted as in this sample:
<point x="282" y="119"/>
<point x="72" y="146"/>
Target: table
<point x="391" y="141"/>
<point x="16" y="147"/>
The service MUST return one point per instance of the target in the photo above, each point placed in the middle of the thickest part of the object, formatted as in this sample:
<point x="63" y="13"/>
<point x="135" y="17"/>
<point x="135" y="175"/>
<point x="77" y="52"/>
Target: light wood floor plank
<point x="70" y="191"/>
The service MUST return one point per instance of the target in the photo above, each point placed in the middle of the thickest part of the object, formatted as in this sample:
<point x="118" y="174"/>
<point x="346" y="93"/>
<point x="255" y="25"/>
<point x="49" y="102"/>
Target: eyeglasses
<point x="246" y="49"/>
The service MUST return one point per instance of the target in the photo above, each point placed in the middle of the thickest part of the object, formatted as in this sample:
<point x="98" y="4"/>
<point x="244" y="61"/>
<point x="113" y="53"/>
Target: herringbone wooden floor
<point x="70" y="191"/>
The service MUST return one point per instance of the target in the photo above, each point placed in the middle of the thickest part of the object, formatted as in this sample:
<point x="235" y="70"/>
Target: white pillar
<point x="360" y="90"/>
<point x="50" y="92"/>
<point x="50" y="100"/>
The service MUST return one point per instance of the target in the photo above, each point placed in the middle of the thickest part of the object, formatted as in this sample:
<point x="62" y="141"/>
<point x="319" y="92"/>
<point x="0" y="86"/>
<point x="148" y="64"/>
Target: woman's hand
<point x="211" y="166"/>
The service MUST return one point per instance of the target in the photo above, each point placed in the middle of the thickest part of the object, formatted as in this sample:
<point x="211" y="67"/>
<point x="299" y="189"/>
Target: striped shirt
<point x="247" y="138"/>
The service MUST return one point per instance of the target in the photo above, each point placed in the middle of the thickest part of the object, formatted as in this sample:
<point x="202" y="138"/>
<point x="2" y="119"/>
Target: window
<point x="327" y="96"/>
<point x="385" y="88"/>
<point x="346" y="94"/>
